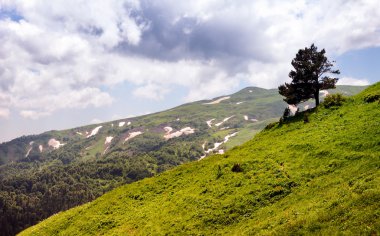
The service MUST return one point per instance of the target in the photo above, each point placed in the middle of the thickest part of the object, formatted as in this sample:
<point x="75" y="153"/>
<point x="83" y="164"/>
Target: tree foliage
<point x="311" y="74"/>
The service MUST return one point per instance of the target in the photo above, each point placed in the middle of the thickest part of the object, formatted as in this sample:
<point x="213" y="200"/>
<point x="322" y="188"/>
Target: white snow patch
<point x="94" y="131"/>
<point x="186" y="131"/>
<point x="216" y="145"/>
<point x="80" y="133"/>
<point x="178" y="119"/>
<point x="30" y="149"/>
<point x="129" y="123"/>
<point x="254" y="120"/>
<point x="41" y="148"/>
<point x="168" y="129"/>
<point x="217" y="101"/>
<point x="225" y="119"/>
<point x="132" y="135"/>
<point x="105" y="150"/>
<point x="209" y="122"/>
<point x="324" y="93"/>
<point x="31" y="143"/>
<point x="293" y="109"/>
<point x="55" y="143"/>
<point x="111" y="125"/>
<point x="250" y="91"/>
<point x="227" y="127"/>
<point x="245" y="117"/>
<point x="306" y="107"/>
<point x="238" y="103"/>
<point x="121" y="124"/>
<point x="108" y="139"/>
<point x="221" y="151"/>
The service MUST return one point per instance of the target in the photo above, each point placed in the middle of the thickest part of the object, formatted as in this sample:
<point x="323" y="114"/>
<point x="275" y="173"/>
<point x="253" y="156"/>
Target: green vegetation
<point x="37" y="185"/>
<point x="320" y="177"/>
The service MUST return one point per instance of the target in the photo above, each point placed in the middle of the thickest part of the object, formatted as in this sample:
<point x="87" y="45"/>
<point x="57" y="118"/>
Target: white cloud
<point x="62" y="54"/>
<point x="352" y="81"/>
<point x="34" y="115"/>
<point x="4" y="112"/>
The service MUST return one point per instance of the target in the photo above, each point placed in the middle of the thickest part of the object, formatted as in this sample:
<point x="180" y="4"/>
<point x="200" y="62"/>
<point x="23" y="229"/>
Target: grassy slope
<point x="321" y="177"/>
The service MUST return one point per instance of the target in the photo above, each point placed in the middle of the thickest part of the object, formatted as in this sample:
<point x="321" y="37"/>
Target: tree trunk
<point x="316" y="96"/>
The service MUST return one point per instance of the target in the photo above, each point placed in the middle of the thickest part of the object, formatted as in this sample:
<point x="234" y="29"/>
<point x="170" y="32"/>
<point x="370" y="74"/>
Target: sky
<point x="67" y="63"/>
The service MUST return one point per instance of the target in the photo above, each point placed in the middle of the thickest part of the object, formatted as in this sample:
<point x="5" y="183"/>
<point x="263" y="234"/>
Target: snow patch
<point x="250" y="91"/>
<point x="168" y="129"/>
<point x="121" y="124"/>
<point x="41" y="148"/>
<point x="306" y="107"/>
<point x="111" y="125"/>
<point x="186" y="131"/>
<point x="245" y="117"/>
<point x="108" y="139"/>
<point x="254" y="120"/>
<point x="217" y="101"/>
<point x="216" y="145"/>
<point x="221" y="151"/>
<point x="225" y="119"/>
<point x="79" y="133"/>
<point x="55" y="143"/>
<point x="209" y="122"/>
<point x="30" y="149"/>
<point x="238" y="103"/>
<point x="105" y="150"/>
<point x="132" y="135"/>
<point x="227" y="127"/>
<point x="31" y="143"/>
<point x="94" y="131"/>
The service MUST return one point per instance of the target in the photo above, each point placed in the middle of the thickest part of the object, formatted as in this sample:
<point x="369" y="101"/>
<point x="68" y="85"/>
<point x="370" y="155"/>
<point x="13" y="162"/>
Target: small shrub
<point x="270" y="126"/>
<point x="237" y="168"/>
<point x="306" y="117"/>
<point x="286" y="113"/>
<point x="372" y="98"/>
<point x="334" y="100"/>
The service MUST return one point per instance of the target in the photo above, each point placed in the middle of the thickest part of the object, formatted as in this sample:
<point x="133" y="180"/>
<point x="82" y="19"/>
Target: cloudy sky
<point x="66" y="63"/>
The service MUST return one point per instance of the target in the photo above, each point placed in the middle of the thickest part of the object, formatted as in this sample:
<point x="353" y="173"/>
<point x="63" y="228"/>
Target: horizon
<point x="60" y="68"/>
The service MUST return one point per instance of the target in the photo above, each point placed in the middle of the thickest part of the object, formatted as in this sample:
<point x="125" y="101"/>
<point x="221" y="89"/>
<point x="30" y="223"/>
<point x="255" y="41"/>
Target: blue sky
<point x="69" y="63"/>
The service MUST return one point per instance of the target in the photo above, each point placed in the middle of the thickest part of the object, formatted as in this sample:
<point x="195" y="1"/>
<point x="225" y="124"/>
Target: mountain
<point x="43" y="174"/>
<point x="315" y="173"/>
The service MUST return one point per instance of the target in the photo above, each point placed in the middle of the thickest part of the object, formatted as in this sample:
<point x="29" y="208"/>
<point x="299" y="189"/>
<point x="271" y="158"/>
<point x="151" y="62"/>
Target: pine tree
<point x="310" y="75"/>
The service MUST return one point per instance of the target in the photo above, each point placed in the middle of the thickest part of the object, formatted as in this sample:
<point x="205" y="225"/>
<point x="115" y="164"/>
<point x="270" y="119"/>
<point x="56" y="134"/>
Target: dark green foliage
<point x="372" y="97"/>
<point x="309" y="76"/>
<point x="334" y="100"/>
<point x="236" y="168"/>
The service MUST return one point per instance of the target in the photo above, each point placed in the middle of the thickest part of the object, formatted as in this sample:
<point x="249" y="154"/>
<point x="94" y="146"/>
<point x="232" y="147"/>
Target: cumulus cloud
<point x="4" y="112"/>
<point x="352" y="81"/>
<point x="63" y="54"/>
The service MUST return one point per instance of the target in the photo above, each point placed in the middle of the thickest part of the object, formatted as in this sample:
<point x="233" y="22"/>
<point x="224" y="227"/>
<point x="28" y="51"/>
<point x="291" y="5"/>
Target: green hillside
<point x="43" y="174"/>
<point x="316" y="175"/>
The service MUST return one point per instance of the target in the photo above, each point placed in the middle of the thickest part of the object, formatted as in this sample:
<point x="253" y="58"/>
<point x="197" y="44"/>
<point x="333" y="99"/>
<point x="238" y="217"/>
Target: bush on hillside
<point x="334" y="100"/>
<point x="372" y="98"/>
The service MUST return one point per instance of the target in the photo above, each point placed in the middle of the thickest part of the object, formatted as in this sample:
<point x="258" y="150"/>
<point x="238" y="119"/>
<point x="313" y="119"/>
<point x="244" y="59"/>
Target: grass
<point x="296" y="178"/>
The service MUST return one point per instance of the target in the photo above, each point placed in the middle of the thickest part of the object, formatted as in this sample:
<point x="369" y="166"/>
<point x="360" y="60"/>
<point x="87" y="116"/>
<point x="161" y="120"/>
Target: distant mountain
<point x="314" y="176"/>
<point x="44" y="174"/>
